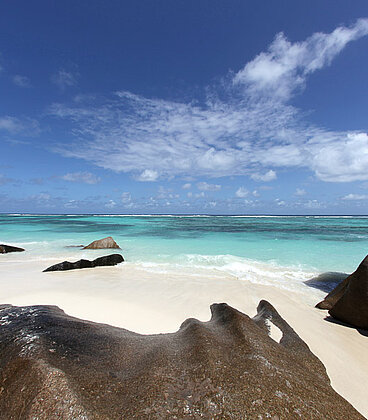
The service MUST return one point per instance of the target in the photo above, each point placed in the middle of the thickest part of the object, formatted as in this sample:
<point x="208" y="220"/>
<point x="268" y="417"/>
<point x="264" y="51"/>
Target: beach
<point x="157" y="296"/>
<point x="147" y="303"/>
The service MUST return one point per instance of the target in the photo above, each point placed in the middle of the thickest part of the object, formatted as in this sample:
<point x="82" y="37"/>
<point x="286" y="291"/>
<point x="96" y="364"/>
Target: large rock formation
<point x="112" y="259"/>
<point x="4" y="249"/>
<point x="105" y="243"/>
<point x="56" y="366"/>
<point x="348" y="302"/>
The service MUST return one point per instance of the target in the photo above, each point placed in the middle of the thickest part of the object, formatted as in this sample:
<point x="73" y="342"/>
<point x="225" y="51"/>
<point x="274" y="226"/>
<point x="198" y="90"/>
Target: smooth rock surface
<point x="348" y="302"/>
<point x="56" y="366"/>
<point x="112" y="259"/>
<point x="4" y="249"/>
<point x="104" y="243"/>
<point x="326" y="281"/>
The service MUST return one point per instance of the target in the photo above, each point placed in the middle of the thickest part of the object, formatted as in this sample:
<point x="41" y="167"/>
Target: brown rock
<point x="4" y="249"/>
<point x="56" y="366"/>
<point x="104" y="243"/>
<point x="348" y="302"/>
<point x="330" y="300"/>
<point x="352" y="307"/>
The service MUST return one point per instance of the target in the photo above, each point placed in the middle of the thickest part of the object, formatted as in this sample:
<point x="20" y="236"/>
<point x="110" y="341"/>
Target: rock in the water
<point x="104" y="243"/>
<point x="326" y="281"/>
<point x="56" y="366"/>
<point x="4" y="249"/>
<point x="348" y="302"/>
<point x="112" y="259"/>
<point x="74" y="246"/>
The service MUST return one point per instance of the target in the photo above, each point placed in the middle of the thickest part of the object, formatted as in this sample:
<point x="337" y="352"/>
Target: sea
<point x="284" y="251"/>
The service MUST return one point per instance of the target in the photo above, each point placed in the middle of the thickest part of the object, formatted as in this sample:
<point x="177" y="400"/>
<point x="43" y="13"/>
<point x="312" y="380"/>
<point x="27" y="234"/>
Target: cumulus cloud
<point x="187" y="186"/>
<point x="341" y="161"/>
<point x="204" y="186"/>
<point x="241" y="192"/>
<point x="246" y="130"/>
<point x="355" y="197"/>
<point x="268" y="176"/>
<point x="84" y="177"/>
<point x="148" y="175"/>
<point x="111" y="204"/>
<point x="64" y="79"/>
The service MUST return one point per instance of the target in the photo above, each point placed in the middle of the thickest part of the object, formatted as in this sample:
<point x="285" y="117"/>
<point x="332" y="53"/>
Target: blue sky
<point x="173" y="106"/>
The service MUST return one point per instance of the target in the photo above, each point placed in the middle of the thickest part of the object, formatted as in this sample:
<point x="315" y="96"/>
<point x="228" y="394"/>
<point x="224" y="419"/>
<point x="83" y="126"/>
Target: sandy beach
<point x="131" y="297"/>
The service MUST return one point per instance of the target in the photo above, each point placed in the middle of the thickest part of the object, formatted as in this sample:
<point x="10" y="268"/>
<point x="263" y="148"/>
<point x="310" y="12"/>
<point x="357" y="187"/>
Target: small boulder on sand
<point x="4" y="249"/>
<point x="104" y="243"/>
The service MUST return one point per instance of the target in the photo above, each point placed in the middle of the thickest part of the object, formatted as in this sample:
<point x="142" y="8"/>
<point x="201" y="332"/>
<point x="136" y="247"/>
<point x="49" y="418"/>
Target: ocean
<point x="279" y="250"/>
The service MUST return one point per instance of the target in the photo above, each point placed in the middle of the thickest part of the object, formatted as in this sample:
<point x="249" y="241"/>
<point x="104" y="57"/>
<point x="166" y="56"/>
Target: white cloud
<point x="187" y="186"/>
<point x="268" y="176"/>
<point x="285" y="66"/>
<point x="85" y="177"/>
<point x="10" y="124"/>
<point x="64" y="79"/>
<point x="111" y="204"/>
<point x="341" y="161"/>
<point x="200" y="195"/>
<point x="314" y="204"/>
<point x="189" y="194"/>
<point x="355" y="197"/>
<point x="13" y="125"/>
<point x="204" y="186"/>
<point x="148" y="175"/>
<point x="126" y="197"/>
<point x="254" y="129"/>
<point x="280" y="202"/>
<point x="300" y="192"/>
<point x="255" y="193"/>
<point x="21" y="81"/>
<point x="71" y="204"/>
<point x="242" y="192"/>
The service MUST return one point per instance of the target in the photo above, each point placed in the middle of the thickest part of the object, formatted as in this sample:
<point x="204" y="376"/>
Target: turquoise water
<point x="310" y="243"/>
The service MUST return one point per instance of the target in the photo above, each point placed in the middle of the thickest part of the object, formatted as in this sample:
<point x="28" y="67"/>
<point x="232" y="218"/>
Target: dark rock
<point x="74" y="246"/>
<point x="55" y="366"/>
<point x="112" y="259"/>
<point x="326" y="281"/>
<point x="348" y="302"/>
<point x="4" y="249"/>
<point x="104" y="243"/>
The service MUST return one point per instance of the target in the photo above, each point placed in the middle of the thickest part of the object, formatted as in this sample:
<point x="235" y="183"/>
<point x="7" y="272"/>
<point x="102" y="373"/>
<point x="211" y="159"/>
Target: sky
<point x="184" y="106"/>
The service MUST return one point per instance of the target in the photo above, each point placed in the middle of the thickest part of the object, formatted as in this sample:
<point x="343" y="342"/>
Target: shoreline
<point x="145" y="302"/>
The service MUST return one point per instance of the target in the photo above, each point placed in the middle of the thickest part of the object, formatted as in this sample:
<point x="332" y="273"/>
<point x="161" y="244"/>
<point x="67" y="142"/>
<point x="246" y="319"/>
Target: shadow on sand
<point x="361" y="331"/>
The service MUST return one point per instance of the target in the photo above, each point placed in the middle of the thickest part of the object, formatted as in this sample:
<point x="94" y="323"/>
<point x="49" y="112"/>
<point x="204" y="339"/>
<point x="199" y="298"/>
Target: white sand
<point x="145" y="302"/>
